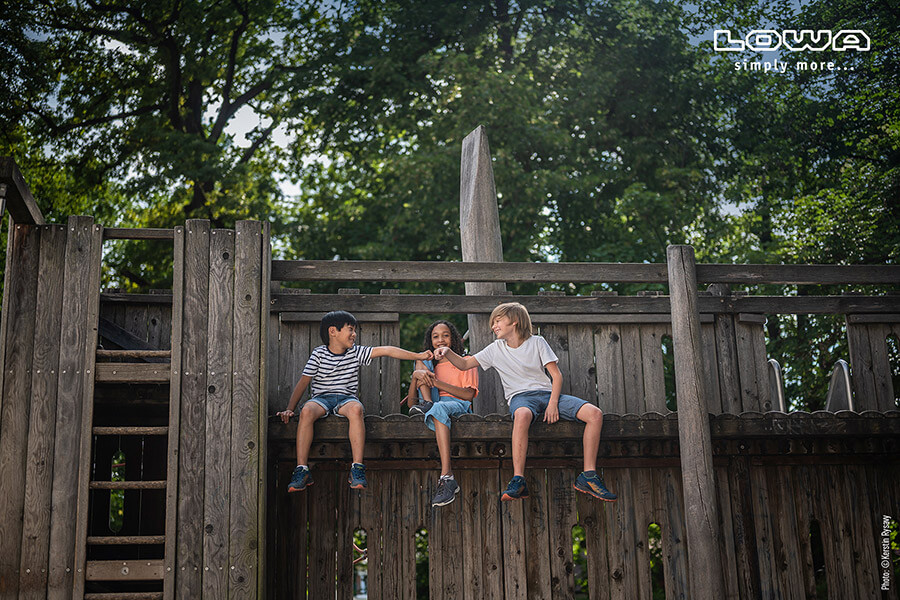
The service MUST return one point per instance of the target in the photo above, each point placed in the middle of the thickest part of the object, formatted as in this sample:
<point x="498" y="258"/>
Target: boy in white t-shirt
<point x="520" y="359"/>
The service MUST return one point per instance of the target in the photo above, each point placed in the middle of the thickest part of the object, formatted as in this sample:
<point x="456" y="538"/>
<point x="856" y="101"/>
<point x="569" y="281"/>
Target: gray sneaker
<point x="419" y="410"/>
<point x="446" y="492"/>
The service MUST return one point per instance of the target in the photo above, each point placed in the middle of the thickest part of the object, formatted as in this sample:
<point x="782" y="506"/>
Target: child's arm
<point x="417" y="381"/>
<point x="295" y="398"/>
<point x="400" y="353"/>
<point x="463" y="363"/>
<point x="551" y="414"/>
<point x="465" y="393"/>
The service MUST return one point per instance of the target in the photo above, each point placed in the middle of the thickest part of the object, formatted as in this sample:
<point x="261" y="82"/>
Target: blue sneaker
<point x="358" y="477"/>
<point x="593" y="486"/>
<point x="515" y="489"/>
<point x="300" y="480"/>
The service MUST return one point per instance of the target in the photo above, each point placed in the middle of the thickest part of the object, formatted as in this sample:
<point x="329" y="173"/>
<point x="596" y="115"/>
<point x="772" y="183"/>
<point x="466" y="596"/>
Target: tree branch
<point x="143" y="110"/>
<point x="222" y="119"/>
<point x="252" y="148"/>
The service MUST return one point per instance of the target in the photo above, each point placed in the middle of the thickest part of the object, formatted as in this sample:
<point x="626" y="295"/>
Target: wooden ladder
<point x="130" y="577"/>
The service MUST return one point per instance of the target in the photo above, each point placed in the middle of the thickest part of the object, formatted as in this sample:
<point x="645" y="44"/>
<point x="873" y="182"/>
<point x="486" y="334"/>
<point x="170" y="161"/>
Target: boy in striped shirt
<point x="333" y="373"/>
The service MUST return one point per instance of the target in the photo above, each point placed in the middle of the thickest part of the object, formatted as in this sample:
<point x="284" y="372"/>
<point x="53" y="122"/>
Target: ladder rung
<point x="123" y="570"/>
<point x="130" y="431"/>
<point x="132" y="372"/>
<point x="125" y="540"/>
<point x="128" y="485"/>
<point x="134" y="353"/>
<point x="123" y="596"/>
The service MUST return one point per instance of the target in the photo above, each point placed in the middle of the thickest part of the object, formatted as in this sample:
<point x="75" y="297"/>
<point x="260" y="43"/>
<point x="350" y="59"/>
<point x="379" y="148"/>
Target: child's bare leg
<point x="354" y="413"/>
<point x="521" y="422"/>
<point x="593" y="424"/>
<point x="442" y="435"/>
<point x="310" y="413"/>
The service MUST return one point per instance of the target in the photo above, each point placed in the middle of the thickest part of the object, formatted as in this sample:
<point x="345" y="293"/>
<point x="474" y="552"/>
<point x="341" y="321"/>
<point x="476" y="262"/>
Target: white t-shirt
<point x="521" y="369"/>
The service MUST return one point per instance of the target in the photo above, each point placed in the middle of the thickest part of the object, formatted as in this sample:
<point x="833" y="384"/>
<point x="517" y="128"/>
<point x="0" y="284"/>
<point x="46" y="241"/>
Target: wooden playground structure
<point x="751" y="501"/>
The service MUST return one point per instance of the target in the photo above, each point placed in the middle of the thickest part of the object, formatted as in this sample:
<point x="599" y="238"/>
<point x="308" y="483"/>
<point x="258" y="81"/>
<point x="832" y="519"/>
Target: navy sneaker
<point x="300" y="480"/>
<point x="358" y="477"/>
<point x="516" y="489"/>
<point x="593" y="486"/>
<point x="447" y="490"/>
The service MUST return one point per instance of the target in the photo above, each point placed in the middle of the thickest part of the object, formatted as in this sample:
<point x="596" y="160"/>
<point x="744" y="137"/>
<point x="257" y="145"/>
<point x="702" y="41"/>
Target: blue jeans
<point x="332" y="402"/>
<point x="536" y="401"/>
<point x="444" y="408"/>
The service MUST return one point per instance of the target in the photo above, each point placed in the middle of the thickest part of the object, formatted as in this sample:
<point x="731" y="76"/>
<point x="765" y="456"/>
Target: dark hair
<point x="336" y="318"/>
<point x="456" y="341"/>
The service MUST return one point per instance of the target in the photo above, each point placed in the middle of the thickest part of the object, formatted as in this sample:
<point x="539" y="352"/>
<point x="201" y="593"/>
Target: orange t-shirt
<point x="446" y="372"/>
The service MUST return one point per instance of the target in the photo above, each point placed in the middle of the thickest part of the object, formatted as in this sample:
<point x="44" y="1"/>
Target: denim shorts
<point x="332" y="402"/>
<point x="444" y="408"/>
<point x="536" y="401"/>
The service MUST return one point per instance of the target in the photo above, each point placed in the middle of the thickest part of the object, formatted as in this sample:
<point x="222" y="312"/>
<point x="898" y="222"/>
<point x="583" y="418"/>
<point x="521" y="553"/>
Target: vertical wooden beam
<point x="191" y="430"/>
<point x="262" y="413"/>
<point x="702" y="513"/>
<point x="19" y="297"/>
<point x="479" y="230"/>
<point x="173" y="438"/>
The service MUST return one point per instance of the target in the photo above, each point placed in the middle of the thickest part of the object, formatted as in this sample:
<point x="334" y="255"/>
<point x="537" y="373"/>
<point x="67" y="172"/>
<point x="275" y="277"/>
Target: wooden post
<point x="479" y="230"/>
<point x="701" y="510"/>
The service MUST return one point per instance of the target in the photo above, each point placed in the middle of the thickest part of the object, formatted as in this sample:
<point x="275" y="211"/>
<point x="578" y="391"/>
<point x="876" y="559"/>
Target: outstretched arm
<point x="400" y="353"/>
<point x="463" y="363"/>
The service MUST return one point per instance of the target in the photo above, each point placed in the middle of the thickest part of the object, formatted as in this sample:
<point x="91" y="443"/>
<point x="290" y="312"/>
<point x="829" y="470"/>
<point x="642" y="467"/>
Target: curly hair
<point x="456" y="341"/>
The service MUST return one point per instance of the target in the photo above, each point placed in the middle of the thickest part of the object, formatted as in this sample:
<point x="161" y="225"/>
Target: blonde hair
<point x="514" y="312"/>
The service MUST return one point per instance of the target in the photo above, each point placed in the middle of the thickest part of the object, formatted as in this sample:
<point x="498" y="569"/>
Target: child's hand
<point x="286" y="415"/>
<point x="551" y="413"/>
<point x="423" y="376"/>
<point x="427" y="355"/>
<point x="441" y="352"/>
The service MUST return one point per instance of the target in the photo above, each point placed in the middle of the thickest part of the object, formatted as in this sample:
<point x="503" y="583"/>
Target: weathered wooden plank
<point x="293" y="353"/>
<point x="390" y="370"/>
<point x="243" y="552"/>
<point x="750" y="384"/>
<point x="592" y="516"/>
<point x="316" y="317"/>
<point x="652" y="368"/>
<point x="741" y="501"/>
<point x="785" y="532"/>
<point x="455" y="579"/>
<point x="123" y="570"/>
<point x="728" y="369"/>
<point x="452" y="304"/>
<point x="493" y="573"/>
<point x="132" y="373"/>
<point x="702" y="518"/>
<point x="803" y="507"/>
<point x="881" y="367"/>
<point x="274" y="400"/>
<point x="862" y="374"/>
<point x="411" y="506"/>
<point x="558" y="338"/>
<point x="761" y="363"/>
<point x="35" y="535"/>
<point x="327" y="270"/>
<point x="670" y="495"/>
<point x="642" y="500"/>
<point x="723" y="488"/>
<point x="262" y="423"/>
<point x="584" y="319"/>
<point x="134" y="233"/>
<point x="174" y="433"/>
<point x="91" y="315"/>
<point x="711" y="367"/>
<point x="219" y="410"/>
<point x="390" y="568"/>
<point x="159" y="326"/>
<point x="370" y="375"/>
<point x="322" y="498"/>
<point x="631" y="365"/>
<point x="623" y="537"/>
<point x="837" y="537"/>
<point x="582" y="365"/>
<point x="762" y="509"/>
<point x="867" y="572"/>
<point x="137" y="322"/>
<point x="470" y="500"/>
<point x="19" y="201"/>
<point x="19" y="300"/>
<point x="512" y="518"/>
<point x="345" y="527"/>
<point x="561" y="517"/>
<point x="610" y="372"/>
<point x="537" y="535"/>
<point x="191" y="451"/>
<point x="349" y="270"/>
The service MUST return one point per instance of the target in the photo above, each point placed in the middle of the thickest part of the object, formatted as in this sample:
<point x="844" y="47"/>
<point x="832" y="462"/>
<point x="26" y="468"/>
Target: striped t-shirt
<point x="336" y="373"/>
